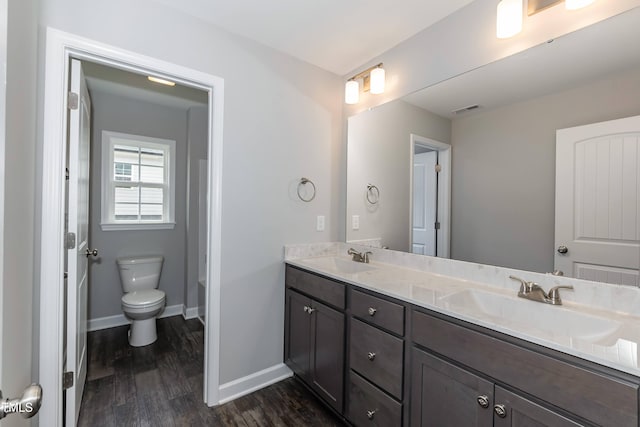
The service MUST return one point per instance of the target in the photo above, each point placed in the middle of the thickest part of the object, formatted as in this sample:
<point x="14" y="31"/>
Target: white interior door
<point x="425" y="196"/>
<point x="77" y="255"/>
<point x="597" y="233"/>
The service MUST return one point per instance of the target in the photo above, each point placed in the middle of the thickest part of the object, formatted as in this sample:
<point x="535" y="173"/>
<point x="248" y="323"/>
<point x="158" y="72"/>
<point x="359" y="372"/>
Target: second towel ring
<point x="304" y="181"/>
<point x="372" y="190"/>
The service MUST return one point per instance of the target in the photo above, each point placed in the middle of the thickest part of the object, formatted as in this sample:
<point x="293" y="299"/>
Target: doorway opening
<point x="430" y="169"/>
<point x="61" y="48"/>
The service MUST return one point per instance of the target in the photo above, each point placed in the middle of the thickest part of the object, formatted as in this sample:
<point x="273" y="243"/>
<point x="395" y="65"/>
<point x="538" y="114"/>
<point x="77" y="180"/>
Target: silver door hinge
<point x="70" y="241"/>
<point x="437" y="226"/>
<point x="438" y="168"/>
<point x="67" y="380"/>
<point x="72" y="101"/>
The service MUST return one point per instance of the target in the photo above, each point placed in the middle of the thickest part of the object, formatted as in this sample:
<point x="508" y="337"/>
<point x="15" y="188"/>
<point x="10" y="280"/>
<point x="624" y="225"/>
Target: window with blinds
<point x="138" y="180"/>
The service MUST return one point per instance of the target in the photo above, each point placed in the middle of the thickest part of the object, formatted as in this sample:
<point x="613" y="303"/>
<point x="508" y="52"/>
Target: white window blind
<point x="138" y="182"/>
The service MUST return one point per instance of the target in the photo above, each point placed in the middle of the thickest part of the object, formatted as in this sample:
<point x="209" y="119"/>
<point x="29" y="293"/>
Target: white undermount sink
<point x="539" y="319"/>
<point x="339" y="265"/>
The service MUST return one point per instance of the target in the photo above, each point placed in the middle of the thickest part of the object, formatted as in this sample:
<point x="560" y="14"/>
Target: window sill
<point x="138" y="226"/>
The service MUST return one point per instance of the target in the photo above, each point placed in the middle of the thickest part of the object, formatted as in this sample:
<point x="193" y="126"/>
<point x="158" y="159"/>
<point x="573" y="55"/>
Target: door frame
<point x="443" y="235"/>
<point x="60" y="48"/>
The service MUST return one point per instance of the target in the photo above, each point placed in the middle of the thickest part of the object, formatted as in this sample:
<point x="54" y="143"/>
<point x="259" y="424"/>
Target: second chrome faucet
<point x="534" y="292"/>
<point x="359" y="256"/>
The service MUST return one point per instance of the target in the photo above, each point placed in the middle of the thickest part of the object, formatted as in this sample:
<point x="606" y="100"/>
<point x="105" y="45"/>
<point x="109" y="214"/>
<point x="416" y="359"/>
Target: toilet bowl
<point x="142" y="301"/>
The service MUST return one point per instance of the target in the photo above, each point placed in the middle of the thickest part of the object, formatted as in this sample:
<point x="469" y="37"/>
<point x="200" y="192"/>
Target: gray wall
<point x="119" y="114"/>
<point x="503" y="172"/>
<point x="18" y="164"/>
<point x="197" y="120"/>
<point x="282" y="121"/>
<point x="378" y="153"/>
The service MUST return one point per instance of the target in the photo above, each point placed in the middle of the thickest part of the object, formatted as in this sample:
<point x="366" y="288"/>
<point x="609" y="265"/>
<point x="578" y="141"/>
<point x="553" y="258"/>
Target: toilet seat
<point x="142" y="299"/>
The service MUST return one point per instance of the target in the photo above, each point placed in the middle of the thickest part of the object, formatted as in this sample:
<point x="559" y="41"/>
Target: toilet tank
<point x="140" y="272"/>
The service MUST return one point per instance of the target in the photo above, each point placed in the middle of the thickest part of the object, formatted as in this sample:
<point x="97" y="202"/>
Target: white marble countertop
<point x="595" y="333"/>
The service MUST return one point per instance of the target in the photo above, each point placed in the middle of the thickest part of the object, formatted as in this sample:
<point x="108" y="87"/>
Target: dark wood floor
<point x="161" y="385"/>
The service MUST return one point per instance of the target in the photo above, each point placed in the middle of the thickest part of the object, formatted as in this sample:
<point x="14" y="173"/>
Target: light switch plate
<point x="355" y="222"/>
<point x="320" y="223"/>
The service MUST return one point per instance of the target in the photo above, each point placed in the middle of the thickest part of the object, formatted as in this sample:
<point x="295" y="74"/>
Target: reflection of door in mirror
<point x="598" y="201"/>
<point x="425" y="200"/>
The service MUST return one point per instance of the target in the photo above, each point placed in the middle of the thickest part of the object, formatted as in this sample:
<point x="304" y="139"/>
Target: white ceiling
<point x="104" y="79"/>
<point x="336" y="35"/>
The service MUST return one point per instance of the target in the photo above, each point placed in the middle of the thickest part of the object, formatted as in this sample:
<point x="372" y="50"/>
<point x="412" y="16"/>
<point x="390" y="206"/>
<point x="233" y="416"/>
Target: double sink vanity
<point x="412" y="340"/>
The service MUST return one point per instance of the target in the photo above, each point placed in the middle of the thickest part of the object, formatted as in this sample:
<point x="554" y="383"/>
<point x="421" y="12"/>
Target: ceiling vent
<point x="466" y="109"/>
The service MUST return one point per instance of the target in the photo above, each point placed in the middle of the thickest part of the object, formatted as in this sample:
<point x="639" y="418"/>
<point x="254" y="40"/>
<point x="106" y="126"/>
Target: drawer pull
<point x="483" y="401"/>
<point x="370" y="414"/>
<point x="371" y="356"/>
<point x="372" y="311"/>
<point x="500" y="411"/>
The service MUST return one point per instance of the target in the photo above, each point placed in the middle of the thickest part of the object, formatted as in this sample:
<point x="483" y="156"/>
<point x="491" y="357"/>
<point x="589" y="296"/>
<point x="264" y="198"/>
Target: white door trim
<point x="444" y="192"/>
<point x="60" y="47"/>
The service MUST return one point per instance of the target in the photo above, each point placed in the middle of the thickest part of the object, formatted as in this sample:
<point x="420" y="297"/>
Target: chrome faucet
<point x="534" y="292"/>
<point x="359" y="256"/>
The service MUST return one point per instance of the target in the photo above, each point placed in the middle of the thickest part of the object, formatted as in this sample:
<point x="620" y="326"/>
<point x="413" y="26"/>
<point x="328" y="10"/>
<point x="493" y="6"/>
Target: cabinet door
<point x="516" y="411"/>
<point x="327" y="356"/>
<point x="298" y="334"/>
<point x="444" y="395"/>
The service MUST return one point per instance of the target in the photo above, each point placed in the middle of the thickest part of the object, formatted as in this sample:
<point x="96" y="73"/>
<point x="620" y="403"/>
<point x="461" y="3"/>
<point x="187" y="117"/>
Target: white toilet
<point x="142" y="301"/>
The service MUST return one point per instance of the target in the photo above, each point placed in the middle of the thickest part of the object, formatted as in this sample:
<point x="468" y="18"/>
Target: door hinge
<point x="438" y="168"/>
<point x="66" y="174"/>
<point x="70" y="241"/>
<point x="437" y="226"/>
<point x="72" y="101"/>
<point x="67" y="380"/>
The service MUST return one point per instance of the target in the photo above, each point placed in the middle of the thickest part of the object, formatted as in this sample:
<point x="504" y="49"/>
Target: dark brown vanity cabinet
<point x="314" y="337"/>
<point x="404" y="365"/>
<point x="446" y="395"/>
<point x="511" y="370"/>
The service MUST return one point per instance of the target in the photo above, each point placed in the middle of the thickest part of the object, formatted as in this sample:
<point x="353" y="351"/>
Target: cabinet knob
<point x="370" y="414"/>
<point x="371" y="356"/>
<point x="500" y="410"/>
<point x="372" y="311"/>
<point x="306" y="309"/>
<point x="483" y="401"/>
<point x="310" y="310"/>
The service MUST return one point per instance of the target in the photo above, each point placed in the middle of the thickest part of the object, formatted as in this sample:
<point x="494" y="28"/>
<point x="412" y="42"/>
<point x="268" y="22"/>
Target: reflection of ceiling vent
<point x="465" y="109"/>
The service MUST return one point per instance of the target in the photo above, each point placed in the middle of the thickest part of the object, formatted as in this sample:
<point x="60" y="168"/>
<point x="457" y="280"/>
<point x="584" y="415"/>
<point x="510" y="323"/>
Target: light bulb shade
<point x="509" y="19"/>
<point x="352" y="92"/>
<point x="577" y="4"/>
<point x="377" y="81"/>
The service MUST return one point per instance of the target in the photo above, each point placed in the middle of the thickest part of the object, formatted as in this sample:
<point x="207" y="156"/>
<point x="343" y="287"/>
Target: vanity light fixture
<point x="510" y="14"/>
<point x="373" y="80"/>
<point x="352" y="92"/>
<point x="577" y="4"/>
<point x="161" y="81"/>
<point x="509" y="18"/>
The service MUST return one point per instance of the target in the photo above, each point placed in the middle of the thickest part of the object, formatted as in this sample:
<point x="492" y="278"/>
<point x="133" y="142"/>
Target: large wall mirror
<point x="496" y="125"/>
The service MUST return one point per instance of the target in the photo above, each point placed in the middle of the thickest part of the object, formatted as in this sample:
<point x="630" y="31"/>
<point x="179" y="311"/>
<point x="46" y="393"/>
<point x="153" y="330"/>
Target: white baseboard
<point x="189" y="313"/>
<point x="120" y="319"/>
<point x="243" y="386"/>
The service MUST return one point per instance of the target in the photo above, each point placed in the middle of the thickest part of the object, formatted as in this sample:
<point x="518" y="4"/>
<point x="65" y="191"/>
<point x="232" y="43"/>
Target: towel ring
<point x="305" y="181"/>
<point x="371" y="190"/>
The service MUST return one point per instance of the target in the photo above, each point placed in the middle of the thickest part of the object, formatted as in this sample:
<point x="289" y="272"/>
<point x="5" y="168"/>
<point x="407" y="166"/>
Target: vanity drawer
<point x="377" y="356"/>
<point x="377" y="311"/>
<point x="368" y="406"/>
<point x="318" y="287"/>
<point x="594" y="396"/>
